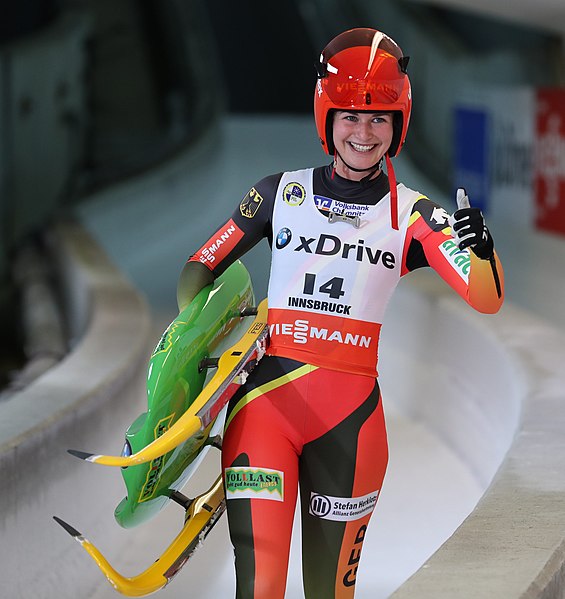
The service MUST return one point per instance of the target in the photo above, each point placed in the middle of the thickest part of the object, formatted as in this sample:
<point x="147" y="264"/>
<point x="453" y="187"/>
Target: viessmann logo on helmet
<point x="389" y="92"/>
<point x="330" y="245"/>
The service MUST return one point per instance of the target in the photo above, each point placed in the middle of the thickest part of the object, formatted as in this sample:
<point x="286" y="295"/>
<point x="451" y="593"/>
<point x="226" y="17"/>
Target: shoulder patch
<point x="250" y="203"/>
<point x="294" y="194"/>
<point x="435" y="216"/>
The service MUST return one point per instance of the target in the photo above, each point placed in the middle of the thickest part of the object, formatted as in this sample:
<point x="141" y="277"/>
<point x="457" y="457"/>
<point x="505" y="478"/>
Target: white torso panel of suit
<point x="330" y="282"/>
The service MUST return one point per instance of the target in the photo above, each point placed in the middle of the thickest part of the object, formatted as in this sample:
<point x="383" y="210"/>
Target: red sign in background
<point x="549" y="166"/>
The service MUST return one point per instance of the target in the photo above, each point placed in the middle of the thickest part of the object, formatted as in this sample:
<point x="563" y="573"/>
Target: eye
<point x="382" y="118"/>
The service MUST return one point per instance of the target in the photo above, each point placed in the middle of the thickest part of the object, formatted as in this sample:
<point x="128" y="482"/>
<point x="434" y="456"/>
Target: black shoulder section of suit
<point x="434" y="215"/>
<point x="255" y="211"/>
<point x="345" y="190"/>
<point x="268" y="186"/>
<point x="415" y="257"/>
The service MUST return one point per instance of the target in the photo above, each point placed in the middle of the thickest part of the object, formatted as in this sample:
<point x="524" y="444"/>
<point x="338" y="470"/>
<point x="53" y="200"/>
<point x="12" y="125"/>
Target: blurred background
<point x="98" y="93"/>
<point x="95" y="91"/>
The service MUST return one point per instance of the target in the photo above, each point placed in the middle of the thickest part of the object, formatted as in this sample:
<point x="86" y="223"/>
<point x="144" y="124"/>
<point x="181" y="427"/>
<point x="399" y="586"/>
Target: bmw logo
<point x="283" y="238"/>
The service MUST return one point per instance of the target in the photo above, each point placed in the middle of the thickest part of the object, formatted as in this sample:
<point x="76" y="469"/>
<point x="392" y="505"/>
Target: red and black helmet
<point x="362" y="69"/>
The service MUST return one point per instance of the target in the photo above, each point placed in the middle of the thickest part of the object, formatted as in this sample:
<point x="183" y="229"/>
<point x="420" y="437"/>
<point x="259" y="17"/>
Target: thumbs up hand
<point x="469" y="229"/>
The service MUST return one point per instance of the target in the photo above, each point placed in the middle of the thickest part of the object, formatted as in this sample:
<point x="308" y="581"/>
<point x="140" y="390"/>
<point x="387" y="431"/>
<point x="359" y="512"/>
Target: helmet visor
<point x="363" y="67"/>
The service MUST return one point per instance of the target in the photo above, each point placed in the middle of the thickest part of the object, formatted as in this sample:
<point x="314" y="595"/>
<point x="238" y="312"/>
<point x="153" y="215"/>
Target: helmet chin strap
<point x="393" y="192"/>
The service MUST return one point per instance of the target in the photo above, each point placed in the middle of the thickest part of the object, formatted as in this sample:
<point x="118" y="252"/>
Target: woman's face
<point x="361" y="140"/>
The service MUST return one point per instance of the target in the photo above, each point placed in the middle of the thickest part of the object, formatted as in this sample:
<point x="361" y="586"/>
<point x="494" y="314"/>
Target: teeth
<point x="361" y="148"/>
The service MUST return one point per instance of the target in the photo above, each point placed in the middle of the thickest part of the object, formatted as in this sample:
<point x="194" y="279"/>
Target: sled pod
<point x="177" y="372"/>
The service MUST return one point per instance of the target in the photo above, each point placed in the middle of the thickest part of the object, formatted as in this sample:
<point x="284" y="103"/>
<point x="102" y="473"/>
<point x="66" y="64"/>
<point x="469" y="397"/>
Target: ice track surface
<point x="148" y="227"/>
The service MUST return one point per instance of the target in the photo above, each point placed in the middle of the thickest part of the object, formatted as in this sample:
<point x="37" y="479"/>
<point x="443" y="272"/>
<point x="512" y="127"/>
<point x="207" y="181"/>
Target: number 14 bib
<point x="333" y="272"/>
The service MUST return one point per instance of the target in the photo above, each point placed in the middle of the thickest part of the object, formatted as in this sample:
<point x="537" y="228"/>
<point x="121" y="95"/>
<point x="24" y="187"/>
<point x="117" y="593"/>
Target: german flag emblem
<point x="250" y="203"/>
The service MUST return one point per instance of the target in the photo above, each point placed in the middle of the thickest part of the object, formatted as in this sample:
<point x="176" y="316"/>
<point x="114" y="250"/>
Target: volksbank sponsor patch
<point x="459" y="259"/>
<point x="347" y="208"/>
<point x="254" y="483"/>
<point x="342" y="509"/>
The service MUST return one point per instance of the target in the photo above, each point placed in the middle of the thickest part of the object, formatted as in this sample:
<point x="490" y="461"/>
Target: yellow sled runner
<point x="201" y="515"/>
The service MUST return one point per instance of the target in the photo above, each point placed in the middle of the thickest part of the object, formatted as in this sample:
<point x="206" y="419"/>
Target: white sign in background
<point x="511" y="113"/>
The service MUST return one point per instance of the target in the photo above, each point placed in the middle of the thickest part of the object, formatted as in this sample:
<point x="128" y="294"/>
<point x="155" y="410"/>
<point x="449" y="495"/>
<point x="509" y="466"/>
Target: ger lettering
<point x="350" y="577"/>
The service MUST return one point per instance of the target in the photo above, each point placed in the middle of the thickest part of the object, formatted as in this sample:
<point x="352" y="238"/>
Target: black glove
<point x="469" y="229"/>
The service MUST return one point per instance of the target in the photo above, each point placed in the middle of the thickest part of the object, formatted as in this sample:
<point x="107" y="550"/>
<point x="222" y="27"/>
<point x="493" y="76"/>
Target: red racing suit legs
<point x="295" y="424"/>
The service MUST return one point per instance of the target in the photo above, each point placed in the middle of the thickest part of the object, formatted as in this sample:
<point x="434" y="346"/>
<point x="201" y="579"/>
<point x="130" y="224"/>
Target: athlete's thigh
<point x="341" y="473"/>
<point x="260" y="464"/>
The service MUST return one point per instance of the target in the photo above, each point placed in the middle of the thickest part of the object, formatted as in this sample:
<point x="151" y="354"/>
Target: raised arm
<point x="464" y="257"/>
<point x="486" y="279"/>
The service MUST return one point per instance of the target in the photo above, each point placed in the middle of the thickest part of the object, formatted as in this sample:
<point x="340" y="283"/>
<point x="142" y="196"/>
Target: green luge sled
<point x="208" y="325"/>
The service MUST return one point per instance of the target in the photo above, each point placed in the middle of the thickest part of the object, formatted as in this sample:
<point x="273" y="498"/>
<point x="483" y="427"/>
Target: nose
<point x="363" y="130"/>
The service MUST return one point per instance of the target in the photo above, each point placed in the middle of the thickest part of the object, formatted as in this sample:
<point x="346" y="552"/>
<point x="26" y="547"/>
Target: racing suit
<point x="309" y="419"/>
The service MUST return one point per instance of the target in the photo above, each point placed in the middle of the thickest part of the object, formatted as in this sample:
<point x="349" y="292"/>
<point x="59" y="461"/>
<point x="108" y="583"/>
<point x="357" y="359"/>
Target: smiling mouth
<point x="361" y="147"/>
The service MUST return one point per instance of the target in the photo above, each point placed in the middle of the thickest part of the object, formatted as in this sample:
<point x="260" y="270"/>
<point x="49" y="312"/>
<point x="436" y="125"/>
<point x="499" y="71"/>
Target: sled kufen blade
<point x="232" y="369"/>
<point x="203" y="512"/>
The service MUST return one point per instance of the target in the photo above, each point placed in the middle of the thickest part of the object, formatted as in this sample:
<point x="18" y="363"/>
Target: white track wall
<point x="82" y="402"/>
<point x="496" y="395"/>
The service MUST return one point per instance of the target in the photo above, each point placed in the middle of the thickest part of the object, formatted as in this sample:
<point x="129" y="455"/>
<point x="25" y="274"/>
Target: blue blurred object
<point x="471" y="155"/>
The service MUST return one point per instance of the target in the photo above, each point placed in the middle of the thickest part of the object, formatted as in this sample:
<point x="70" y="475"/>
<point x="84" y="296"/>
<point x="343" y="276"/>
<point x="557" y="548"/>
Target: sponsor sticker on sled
<point x="460" y="260"/>
<point x="254" y="483"/>
<point x="156" y="465"/>
<point x="166" y="341"/>
<point x="342" y="509"/>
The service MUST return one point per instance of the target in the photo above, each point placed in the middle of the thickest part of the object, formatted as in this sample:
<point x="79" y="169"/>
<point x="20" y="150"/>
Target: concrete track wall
<point x="497" y="387"/>
<point x="82" y="402"/>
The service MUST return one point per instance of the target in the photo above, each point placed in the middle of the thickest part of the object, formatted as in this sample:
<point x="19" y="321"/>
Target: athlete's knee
<point x="260" y="567"/>
<point x="269" y="587"/>
<point x="259" y="583"/>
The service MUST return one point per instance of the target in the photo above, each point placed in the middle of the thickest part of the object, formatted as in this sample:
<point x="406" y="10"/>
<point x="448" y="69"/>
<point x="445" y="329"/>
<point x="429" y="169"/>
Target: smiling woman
<point x="360" y="140"/>
<point x="311" y="414"/>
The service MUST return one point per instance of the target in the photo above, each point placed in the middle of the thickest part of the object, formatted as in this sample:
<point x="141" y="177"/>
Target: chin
<point x="364" y="163"/>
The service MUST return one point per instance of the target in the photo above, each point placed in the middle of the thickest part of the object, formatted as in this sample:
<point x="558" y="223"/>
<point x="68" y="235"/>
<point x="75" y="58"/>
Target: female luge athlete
<point x="310" y="416"/>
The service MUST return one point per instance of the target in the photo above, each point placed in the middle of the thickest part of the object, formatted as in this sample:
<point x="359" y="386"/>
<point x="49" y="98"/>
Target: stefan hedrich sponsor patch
<point x="342" y="509"/>
<point x="254" y="483"/>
